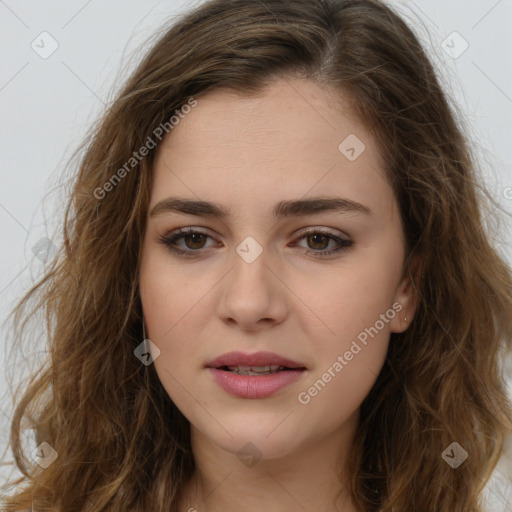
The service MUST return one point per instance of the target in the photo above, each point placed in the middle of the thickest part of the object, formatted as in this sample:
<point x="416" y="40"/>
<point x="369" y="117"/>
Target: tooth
<point x="261" y="368"/>
<point x="256" y="370"/>
<point x="268" y="367"/>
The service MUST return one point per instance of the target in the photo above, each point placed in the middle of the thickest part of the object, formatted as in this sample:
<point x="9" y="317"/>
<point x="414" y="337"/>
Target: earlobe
<point x="407" y="296"/>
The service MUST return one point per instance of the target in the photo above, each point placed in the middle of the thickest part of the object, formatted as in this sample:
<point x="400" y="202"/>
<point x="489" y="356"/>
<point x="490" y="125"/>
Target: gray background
<point x="48" y="102"/>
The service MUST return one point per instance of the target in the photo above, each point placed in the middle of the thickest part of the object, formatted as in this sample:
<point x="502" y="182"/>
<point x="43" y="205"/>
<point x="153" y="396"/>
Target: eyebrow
<point x="283" y="209"/>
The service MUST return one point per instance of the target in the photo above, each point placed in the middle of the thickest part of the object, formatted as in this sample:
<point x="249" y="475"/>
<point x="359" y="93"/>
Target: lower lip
<point x="254" y="386"/>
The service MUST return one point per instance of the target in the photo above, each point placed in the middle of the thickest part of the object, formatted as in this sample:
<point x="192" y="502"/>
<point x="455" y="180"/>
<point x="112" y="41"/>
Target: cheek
<point x="337" y="390"/>
<point x="173" y="302"/>
<point x="349" y="359"/>
<point x="169" y="296"/>
<point x="349" y="298"/>
<point x="349" y="355"/>
<point x="168" y="303"/>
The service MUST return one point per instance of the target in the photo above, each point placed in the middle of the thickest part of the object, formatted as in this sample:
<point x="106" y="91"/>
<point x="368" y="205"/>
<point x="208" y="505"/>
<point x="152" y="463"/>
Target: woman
<point x="276" y="289"/>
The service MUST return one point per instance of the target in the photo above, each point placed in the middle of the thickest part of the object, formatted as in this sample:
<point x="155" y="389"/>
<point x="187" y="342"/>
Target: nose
<point x="254" y="297"/>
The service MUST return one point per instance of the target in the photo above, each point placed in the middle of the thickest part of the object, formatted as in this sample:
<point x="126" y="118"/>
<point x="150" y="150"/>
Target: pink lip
<point x="254" y="386"/>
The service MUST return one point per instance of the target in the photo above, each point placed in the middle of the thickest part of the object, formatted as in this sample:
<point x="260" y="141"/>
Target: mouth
<point x="268" y="369"/>
<point x="255" y="375"/>
<point x="258" y="362"/>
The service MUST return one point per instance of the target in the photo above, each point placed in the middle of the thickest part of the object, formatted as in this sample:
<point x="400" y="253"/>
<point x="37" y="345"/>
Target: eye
<point x="195" y="239"/>
<point x="318" y="239"/>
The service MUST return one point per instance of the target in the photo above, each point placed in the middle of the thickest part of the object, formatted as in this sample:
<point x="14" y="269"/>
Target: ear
<point x="407" y="296"/>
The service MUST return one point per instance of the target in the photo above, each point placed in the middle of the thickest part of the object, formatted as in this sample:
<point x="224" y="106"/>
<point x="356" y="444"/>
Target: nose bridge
<point x="251" y="262"/>
<point x="252" y="291"/>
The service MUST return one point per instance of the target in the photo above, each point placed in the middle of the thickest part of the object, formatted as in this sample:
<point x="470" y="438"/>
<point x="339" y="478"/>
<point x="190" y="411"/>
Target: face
<point x="283" y="270"/>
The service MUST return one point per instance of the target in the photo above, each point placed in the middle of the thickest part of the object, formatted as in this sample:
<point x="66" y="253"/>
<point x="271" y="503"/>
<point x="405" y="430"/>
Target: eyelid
<point x="316" y="228"/>
<point x="344" y="242"/>
<point x="322" y="229"/>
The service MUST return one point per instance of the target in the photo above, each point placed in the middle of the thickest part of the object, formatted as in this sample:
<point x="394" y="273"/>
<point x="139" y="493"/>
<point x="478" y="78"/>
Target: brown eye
<point x="194" y="242"/>
<point x="196" y="238"/>
<point x="319" y="241"/>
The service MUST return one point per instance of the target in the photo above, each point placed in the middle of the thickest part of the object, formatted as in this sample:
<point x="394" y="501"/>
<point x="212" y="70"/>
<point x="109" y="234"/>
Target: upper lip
<point x="238" y="358"/>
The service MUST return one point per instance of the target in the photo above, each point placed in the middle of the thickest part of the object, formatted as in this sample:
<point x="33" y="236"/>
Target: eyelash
<point x="169" y="242"/>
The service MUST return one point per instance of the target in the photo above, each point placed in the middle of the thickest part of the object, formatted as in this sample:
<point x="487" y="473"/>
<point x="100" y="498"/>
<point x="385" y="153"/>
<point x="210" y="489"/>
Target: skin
<point x="247" y="154"/>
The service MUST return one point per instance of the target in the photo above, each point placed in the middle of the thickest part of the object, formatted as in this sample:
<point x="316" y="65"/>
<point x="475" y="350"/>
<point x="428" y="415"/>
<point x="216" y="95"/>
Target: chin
<point x="261" y="448"/>
<point x="257" y="438"/>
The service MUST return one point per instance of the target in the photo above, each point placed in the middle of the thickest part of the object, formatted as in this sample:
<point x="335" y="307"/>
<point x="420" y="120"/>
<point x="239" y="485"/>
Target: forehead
<point x="293" y="139"/>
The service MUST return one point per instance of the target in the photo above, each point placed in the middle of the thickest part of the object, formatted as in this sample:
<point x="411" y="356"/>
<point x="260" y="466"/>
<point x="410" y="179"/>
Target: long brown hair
<point x="121" y="442"/>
